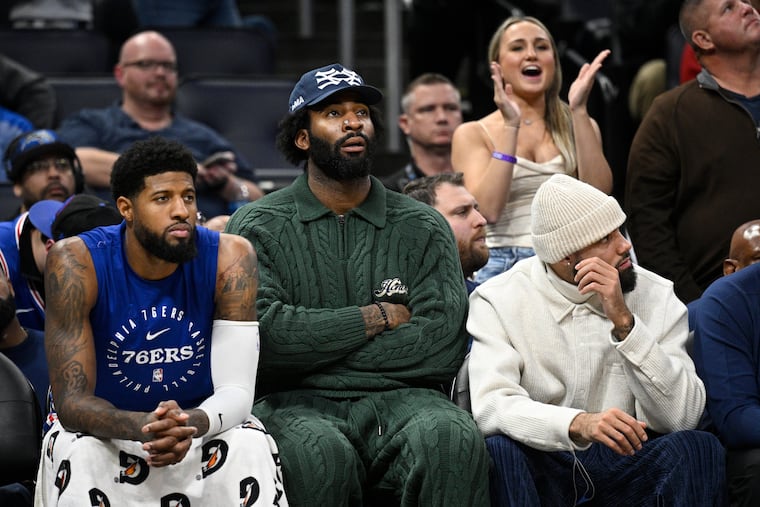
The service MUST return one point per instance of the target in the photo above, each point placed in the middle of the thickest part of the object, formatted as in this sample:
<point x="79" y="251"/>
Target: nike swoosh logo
<point x="152" y="336"/>
<point x="24" y="310"/>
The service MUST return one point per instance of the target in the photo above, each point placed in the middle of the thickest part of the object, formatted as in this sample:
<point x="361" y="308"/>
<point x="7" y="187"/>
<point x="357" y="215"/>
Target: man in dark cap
<point x="24" y="243"/>
<point x="41" y="166"/>
<point x="362" y="314"/>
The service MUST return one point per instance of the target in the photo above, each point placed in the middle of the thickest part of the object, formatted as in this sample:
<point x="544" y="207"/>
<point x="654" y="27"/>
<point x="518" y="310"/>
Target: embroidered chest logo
<point x="159" y="348"/>
<point x="392" y="291"/>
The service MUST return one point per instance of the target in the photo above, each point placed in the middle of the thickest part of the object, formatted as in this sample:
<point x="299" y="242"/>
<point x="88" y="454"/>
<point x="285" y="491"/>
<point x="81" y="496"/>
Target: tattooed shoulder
<point x="237" y="279"/>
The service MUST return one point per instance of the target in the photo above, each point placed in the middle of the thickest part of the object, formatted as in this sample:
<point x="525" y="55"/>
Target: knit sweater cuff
<point x="351" y="323"/>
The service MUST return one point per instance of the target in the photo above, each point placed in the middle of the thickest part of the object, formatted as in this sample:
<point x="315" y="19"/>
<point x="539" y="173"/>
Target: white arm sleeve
<point x="234" y="363"/>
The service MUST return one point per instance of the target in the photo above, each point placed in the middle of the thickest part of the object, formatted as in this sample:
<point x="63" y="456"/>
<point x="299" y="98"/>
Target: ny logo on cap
<point x="335" y="77"/>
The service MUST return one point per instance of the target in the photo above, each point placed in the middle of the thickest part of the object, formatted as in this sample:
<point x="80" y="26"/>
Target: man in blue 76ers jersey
<point x="153" y="345"/>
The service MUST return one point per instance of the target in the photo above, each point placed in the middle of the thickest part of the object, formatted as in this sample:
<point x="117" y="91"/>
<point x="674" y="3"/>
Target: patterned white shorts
<point x="238" y="467"/>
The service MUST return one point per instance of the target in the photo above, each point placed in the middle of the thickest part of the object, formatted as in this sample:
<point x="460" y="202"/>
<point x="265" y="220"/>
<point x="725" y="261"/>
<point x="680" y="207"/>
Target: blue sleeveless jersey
<point x="152" y="337"/>
<point x="30" y="307"/>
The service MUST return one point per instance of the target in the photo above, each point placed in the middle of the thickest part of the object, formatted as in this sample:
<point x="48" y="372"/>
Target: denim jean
<point x="501" y="259"/>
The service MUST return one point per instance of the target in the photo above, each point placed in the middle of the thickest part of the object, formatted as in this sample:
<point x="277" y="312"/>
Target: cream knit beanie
<point x="568" y="215"/>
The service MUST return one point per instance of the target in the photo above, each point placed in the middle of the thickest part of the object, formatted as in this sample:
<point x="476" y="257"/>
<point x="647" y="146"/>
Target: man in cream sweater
<point x="578" y="373"/>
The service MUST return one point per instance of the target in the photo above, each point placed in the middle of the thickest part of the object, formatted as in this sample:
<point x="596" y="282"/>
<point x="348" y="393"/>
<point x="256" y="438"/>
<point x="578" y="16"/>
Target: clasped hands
<point x="168" y="435"/>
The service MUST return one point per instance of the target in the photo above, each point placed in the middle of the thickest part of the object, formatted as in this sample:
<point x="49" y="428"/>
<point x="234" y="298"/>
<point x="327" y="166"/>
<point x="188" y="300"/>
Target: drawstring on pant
<point x="377" y="416"/>
<point x="588" y="494"/>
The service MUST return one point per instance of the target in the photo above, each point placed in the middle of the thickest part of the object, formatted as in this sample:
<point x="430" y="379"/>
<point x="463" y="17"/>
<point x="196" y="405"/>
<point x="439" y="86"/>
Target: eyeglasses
<point x="61" y="165"/>
<point x="152" y="65"/>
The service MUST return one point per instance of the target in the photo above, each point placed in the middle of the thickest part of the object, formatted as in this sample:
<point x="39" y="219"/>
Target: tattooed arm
<point x="236" y="280"/>
<point x="234" y="338"/>
<point x="71" y="289"/>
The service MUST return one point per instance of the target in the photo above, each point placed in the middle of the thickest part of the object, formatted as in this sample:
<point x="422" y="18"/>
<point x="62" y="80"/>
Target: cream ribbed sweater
<point x="542" y="353"/>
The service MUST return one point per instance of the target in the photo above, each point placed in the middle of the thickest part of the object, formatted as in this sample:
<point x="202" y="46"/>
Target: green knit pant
<point x="406" y="446"/>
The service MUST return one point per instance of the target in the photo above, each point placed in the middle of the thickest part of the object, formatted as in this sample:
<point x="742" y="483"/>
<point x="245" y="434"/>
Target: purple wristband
<point x="504" y="157"/>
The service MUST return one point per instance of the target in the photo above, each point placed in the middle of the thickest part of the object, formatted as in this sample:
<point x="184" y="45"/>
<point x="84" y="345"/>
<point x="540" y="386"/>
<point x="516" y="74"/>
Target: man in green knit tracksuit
<point x="362" y="305"/>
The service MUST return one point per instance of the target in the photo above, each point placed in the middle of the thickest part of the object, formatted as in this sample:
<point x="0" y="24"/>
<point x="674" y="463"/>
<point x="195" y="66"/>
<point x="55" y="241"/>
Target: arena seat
<point x="21" y="421"/>
<point x="221" y="51"/>
<point x="460" y="389"/>
<point x="246" y="112"/>
<point x="58" y="52"/>
<point x="74" y="93"/>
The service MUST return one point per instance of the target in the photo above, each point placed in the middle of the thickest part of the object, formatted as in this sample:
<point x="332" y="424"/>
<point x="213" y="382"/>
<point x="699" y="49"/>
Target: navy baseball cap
<point x="318" y="84"/>
<point x="33" y="146"/>
<point x="77" y="214"/>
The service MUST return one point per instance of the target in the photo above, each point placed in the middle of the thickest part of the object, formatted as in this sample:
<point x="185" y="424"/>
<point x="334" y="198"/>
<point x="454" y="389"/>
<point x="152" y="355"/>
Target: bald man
<point x="744" y="251"/>
<point x="147" y="74"/>
<point x="745" y="247"/>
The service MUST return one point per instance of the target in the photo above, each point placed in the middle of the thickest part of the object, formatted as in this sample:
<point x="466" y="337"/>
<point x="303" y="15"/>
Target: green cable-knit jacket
<point x="317" y="268"/>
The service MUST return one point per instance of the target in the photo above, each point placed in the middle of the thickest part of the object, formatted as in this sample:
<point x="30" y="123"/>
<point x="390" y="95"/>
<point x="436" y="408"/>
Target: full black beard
<point x="7" y="311"/>
<point x="336" y="166"/>
<point x="628" y="280"/>
<point x="157" y="246"/>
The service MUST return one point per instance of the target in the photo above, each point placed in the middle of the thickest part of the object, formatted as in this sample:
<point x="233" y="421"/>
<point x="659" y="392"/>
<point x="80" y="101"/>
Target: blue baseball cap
<point x="32" y="146"/>
<point x="318" y="84"/>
